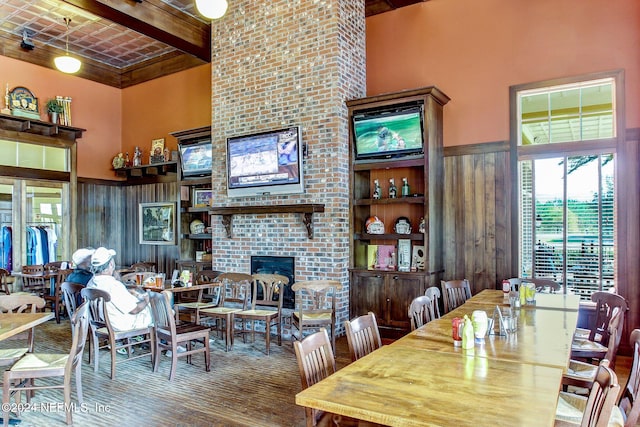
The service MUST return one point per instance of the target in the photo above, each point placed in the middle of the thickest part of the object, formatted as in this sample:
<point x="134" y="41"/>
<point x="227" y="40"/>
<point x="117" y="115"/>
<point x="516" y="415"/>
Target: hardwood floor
<point x="244" y="387"/>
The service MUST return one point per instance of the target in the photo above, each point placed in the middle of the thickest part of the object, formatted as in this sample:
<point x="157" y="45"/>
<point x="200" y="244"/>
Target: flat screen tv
<point x="388" y="132"/>
<point x="195" y="158"/>
<point x="265" y="163"/>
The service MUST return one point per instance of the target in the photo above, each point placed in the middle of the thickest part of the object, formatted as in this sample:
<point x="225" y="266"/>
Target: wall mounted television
<point x="265" y="163"/>
<point x="195" y="158"/>
<point x="388" y="132"/>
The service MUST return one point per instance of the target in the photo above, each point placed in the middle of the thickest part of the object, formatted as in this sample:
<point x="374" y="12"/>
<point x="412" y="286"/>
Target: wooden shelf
<point x="306" y="209"/>
<point x="38" y="127"/>
<point x="389" y="236"/>
<point x="419" y="200"/>
<point x="150" y="170"/>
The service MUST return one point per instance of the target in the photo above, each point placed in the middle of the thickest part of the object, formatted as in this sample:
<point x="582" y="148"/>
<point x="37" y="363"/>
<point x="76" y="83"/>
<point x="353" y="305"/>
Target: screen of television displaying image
<point x="265" y="163"/>
<point x="388" y="132"/>
<point x="196" y="159"/>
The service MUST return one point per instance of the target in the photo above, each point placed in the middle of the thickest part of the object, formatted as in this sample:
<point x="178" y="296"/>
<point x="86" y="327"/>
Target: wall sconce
<point x="212" y="9"/>
<point x="66" y="63"/>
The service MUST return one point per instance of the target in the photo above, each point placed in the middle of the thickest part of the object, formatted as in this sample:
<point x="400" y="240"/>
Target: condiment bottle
<point x="467" y="333"/>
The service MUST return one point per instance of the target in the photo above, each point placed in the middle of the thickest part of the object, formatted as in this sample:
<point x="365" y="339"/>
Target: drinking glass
<point x="139" y="279"/>
<point x="530" y="293"/>
<point x="160" y="280"/>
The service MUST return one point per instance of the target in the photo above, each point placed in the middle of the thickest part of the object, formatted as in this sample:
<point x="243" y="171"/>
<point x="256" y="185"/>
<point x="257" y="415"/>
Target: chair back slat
<point x="602" y="397"/>
<point x="79" y="328"/>
<point x="433" y="292"/>
<point x="268" y="290"/>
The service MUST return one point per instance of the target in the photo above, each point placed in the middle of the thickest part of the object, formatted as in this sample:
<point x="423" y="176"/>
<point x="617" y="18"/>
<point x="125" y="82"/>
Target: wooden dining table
<point x="14" y="323"/>
<point x="423" y="379"/>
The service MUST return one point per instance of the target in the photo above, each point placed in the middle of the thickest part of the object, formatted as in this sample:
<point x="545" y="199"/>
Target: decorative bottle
<point x="377" y="193"/>
<point x="405" y="187"/>
<point x="467" y="333"/>
<point x="392" y="189"/>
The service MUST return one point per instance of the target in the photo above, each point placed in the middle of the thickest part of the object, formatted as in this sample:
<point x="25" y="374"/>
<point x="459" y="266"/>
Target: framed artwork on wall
<point x="202" y="197"/>
<point x="157" y="223"/>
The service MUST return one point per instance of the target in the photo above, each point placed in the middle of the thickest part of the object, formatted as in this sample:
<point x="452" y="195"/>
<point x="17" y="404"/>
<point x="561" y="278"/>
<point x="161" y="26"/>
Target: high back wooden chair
<point x="421" y="311"/>
<point x="363" y="335"/>
<point x="606" y="302"/>
<point x="234" y="298"/>
<point x="71" y="296"/>
<point x="455" y="293"/>
<point x="315" y="362"/>
<point x="168" y="335"/>
<point x="266" y="306"/>
<point x="102" y="331"/>
<point x="434" y="293"/>
<point x="34" y="280"/>
<point x="582" y="372"/>
<point x="207" y="276"/>
<point x="22" y="303"/>
<point x="315" y="307"/>
<point x="33" y="366"/>
<point x="55" y="300"/>
<point x="5" y="286"/>
<point x="595" y="410"/>
<point x="629" y="406"/>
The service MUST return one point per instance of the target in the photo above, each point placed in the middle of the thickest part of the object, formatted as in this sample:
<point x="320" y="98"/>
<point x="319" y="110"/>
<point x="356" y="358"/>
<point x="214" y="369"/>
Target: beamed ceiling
<point x="120" y="43"/>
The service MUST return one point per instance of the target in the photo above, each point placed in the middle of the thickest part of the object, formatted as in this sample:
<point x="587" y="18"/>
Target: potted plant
<point x="53" y="108"/>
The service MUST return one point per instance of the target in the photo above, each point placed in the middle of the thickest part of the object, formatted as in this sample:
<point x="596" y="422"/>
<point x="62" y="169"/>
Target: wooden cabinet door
<point x="366" y="292"/>
<point x="402" y="289"/>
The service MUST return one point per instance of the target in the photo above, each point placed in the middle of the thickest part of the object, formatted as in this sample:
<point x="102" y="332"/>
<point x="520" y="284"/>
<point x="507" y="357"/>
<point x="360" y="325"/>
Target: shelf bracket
<point x="227" y="222"/>
<point x="307" y="219"/>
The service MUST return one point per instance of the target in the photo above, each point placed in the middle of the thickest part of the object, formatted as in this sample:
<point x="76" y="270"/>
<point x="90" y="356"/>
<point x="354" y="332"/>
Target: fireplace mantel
<point x="306" y="209"/>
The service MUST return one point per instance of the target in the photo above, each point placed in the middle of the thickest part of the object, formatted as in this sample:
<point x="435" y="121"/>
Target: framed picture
<point x="201" y="197"/>
<point x="157" y="223"/>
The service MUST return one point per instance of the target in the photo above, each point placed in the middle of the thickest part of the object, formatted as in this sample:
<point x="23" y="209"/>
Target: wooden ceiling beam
<point x="157" y="20"/>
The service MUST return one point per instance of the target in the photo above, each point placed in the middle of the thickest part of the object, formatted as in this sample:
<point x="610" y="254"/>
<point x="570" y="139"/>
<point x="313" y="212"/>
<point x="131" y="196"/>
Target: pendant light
<point x="212" y="9"/>
<point x="67" y="64"/>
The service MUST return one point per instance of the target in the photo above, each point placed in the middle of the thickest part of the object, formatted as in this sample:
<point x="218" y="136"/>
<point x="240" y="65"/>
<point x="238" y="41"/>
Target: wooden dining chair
<point x="234" y="298"/>
<point x="315" y="362"/>
<point x="315" y="307"/>
<point x="22" y="375"/>
<point x="629" y="405"/>
<point x="33" y="279"/>
<point x="266" y="306"/>
<point x="22" y="303"/>
<point x="606" y="303"/>
<point x="207" y="276"/>
<point x="421" y="311"/>
<point x="103" y="332"/>
<point x="5" y="286"/>
<point x="542" y="285"/>
<point x="594" y="410"/>
<point x="455" y="293"/>
<point x="363" y="335"/>
<point x="434" y="293"/>
<point x="54" y="301"/>
<point x="169" y="336"/>
<point x="71" y="296"/>
<point x="582" y="373"/>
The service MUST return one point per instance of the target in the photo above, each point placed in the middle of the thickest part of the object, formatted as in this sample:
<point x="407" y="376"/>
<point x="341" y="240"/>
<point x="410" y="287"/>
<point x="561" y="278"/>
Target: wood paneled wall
<point x="108" y="216"/>
<point x="476" y="220"/>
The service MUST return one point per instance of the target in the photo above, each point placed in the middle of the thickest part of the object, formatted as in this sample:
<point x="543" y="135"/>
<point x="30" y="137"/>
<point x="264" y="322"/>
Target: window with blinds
<point x="566" y="165"/>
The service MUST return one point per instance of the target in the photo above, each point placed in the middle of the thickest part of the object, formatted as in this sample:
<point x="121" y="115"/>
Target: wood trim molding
<point x="480" y="148"/>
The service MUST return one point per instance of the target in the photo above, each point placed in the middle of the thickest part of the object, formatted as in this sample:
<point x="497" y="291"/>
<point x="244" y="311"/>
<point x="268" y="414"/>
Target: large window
<point x="566" y="188"/>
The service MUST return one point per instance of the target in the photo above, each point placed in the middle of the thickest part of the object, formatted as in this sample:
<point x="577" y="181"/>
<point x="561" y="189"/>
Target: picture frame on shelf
<point x="157" y="223"/>
<point x="157" y="151"/>
<point x="202" y="197"/>
<point x="418" y="258"/>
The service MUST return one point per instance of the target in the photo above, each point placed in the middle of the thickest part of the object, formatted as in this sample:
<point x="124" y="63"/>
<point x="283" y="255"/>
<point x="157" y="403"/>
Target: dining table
<point x="423" y="379"/>
<point x="14" y="323"/>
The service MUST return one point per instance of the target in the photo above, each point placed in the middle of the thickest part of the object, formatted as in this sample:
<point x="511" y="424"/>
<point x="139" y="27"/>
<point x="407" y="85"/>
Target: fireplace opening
<point x="282" y="265"/>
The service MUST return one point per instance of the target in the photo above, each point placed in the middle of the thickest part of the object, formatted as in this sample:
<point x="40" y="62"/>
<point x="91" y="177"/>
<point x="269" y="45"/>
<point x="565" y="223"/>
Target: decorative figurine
<point x="127" y="161"/>
<point x="392" y="189"/>
<point x="405" y="187"/>
<point x="137" y="157"/>
<point x="377" y="193"/>
<point x="167" y="155"/>
<point x="118" y="161"/>
<point x="421" y="225"/>
<point x="6" y="109"/>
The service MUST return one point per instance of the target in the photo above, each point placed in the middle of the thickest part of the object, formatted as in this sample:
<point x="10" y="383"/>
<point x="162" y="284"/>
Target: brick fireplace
<point x="276" y="64"/>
